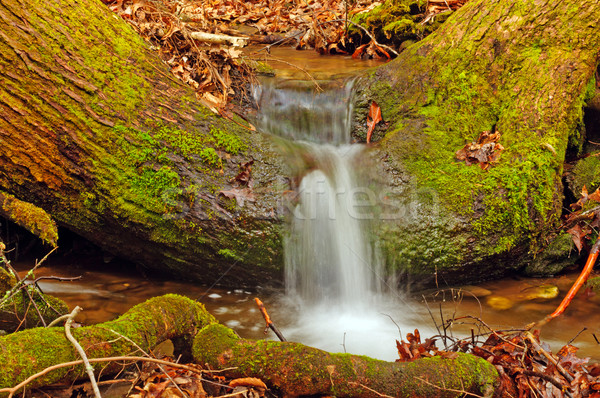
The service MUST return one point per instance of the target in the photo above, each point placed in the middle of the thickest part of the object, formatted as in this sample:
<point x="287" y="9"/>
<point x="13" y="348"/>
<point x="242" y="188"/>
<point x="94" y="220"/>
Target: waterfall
<point x="333" y="275"/>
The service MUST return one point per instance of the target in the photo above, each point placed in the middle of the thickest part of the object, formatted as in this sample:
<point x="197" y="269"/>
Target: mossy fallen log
<point x="295" y="369"/>
<point x="28" y="352"/>
<point x="289" y="368"/>
<point x="23" y="309"/>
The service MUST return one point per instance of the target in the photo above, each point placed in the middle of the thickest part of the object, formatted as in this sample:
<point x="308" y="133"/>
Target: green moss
<point x="30" y="217"/>
<point x="586" y="173"/>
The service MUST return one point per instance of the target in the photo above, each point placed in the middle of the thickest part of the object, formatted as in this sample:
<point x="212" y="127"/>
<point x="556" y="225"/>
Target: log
<point x="289" y="368"/>
<point x="146" y="325"/>
<point x="213" y="38"/>
<point x="294" y="369"/>
<point x="97" y="133"/>
<point x="521" y="69"/>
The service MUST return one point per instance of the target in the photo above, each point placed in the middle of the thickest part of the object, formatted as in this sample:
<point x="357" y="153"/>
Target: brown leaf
<point x="595" y="196"/>
<point x="248" y="382"/>
<point x="484" y="151"/>
<point x="241" y="195"/>
<point x="577" y="234"/>
<point x="373" y="118"/>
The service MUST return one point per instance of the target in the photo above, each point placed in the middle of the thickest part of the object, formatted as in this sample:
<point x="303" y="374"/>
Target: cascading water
<point x="333" y="276"/>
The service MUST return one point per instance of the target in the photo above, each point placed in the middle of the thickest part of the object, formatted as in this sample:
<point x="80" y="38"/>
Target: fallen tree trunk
<point x="520" y="69"/>
<point x="96" y="131"/>
<point x="295" y="369"/>
<point x="290" y="368"/>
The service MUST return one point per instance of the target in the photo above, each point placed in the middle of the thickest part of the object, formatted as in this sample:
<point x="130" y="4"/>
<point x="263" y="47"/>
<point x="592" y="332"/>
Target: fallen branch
<point x="295" y="369"/>
<point x="147" y="325"/>
<point x="581" y="279"/>
<point x="214" y="38"/>
<point x="88" y="368"/>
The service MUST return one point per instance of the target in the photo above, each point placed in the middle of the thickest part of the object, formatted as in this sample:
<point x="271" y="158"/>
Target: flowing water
<point x="335" y="282"/>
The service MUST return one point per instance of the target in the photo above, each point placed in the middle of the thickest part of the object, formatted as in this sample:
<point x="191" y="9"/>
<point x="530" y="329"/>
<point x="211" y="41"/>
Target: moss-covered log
<point x="521" y="68"/>
<point x="294" y="369"/>
<point x="28" y="352"/>
<point x="24" y="306"/>
<point x="95" y="131"/>
<point x="290" y="368"/>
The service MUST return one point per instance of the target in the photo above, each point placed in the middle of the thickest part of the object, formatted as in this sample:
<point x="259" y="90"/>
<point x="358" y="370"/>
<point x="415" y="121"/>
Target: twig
<point x="449" y="389"/>
<point x="581" y="279"/>
<point x="49" y="369"/>
<point x="268" y="320"/>
<point x="317" y="85"/>
<point x="577" y="335"/>
<point x="148" y="355"/>
<point x="370" y="389"/>
<point x="88" y="367"/>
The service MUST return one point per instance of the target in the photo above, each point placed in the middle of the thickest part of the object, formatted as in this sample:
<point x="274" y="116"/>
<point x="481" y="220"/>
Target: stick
<point x="270" y="323"/>
<point x="88" y="368"/>
<point x="581" y="279"/>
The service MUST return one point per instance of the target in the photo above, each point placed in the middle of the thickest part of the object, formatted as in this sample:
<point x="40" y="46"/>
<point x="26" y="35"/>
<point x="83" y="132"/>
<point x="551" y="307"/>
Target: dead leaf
<point x="373" y="118"/>
<point x="484" y="151"/>
<point x="248" y="382"/>
<point x="241" y="195"/>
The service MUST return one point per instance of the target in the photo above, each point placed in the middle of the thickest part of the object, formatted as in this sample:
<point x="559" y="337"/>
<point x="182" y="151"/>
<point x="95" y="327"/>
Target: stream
<point x="337" y="295"/>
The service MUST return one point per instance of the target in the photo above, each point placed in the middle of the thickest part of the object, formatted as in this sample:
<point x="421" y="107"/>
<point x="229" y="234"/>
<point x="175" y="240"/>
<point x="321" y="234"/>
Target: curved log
<point x="161" y="318"/>
<point x="290" y="368"/>
<point x="295" y="369"/>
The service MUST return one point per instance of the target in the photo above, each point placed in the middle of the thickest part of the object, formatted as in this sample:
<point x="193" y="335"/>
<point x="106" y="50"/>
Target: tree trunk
<point x="296" y="370"/>
<point x="146" y="325"/>
<point x="523" y="69"/>
<point x="96" y="131"/>
<point x="290" y="368"/>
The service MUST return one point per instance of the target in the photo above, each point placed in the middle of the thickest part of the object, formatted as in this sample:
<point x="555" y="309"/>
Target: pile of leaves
<point x="215" y="66"/>
<point x="173" y="382"/>
<point x="483" y="152"/>
<point x="527" y="368"/>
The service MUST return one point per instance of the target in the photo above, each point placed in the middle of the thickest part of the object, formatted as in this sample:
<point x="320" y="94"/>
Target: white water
<point x="335" y="281"/>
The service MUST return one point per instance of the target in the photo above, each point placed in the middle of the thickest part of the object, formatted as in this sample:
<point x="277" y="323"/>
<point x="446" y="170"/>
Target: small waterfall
<point x="329" y="258"/>
<point x="333" y="277"/>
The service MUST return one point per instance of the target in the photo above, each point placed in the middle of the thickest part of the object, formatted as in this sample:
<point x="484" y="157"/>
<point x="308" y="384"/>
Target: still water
<point x="106" y="292"/>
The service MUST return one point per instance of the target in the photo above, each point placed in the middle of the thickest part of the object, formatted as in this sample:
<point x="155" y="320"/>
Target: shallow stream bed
<point x="509" y="303"/>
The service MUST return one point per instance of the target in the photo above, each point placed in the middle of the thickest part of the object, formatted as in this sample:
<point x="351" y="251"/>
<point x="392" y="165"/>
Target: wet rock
<point x="557" y="256"/>
<point x="544" y="292"/>
<point x="499" y="303"/>
<point x="476" y="291"/>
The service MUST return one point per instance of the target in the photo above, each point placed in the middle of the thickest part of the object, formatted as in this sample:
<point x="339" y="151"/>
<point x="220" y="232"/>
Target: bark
<point x="294" y="369"/>
<point x="523" y="69"/>
<point x="95" y="131"/>
<point x="289" y="368"/>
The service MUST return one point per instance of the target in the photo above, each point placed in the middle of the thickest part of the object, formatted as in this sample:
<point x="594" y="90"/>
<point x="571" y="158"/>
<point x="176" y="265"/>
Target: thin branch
<point x="88" y="367"/>
<point x="449" y="389"/>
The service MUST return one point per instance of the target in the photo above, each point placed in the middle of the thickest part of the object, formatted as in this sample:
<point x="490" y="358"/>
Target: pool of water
<point x="106" y="292"/>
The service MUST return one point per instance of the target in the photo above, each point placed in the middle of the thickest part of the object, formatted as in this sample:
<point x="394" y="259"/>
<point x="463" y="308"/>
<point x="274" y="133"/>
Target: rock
<point x="476" y="291"/>
<point x="499" y="303"/>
